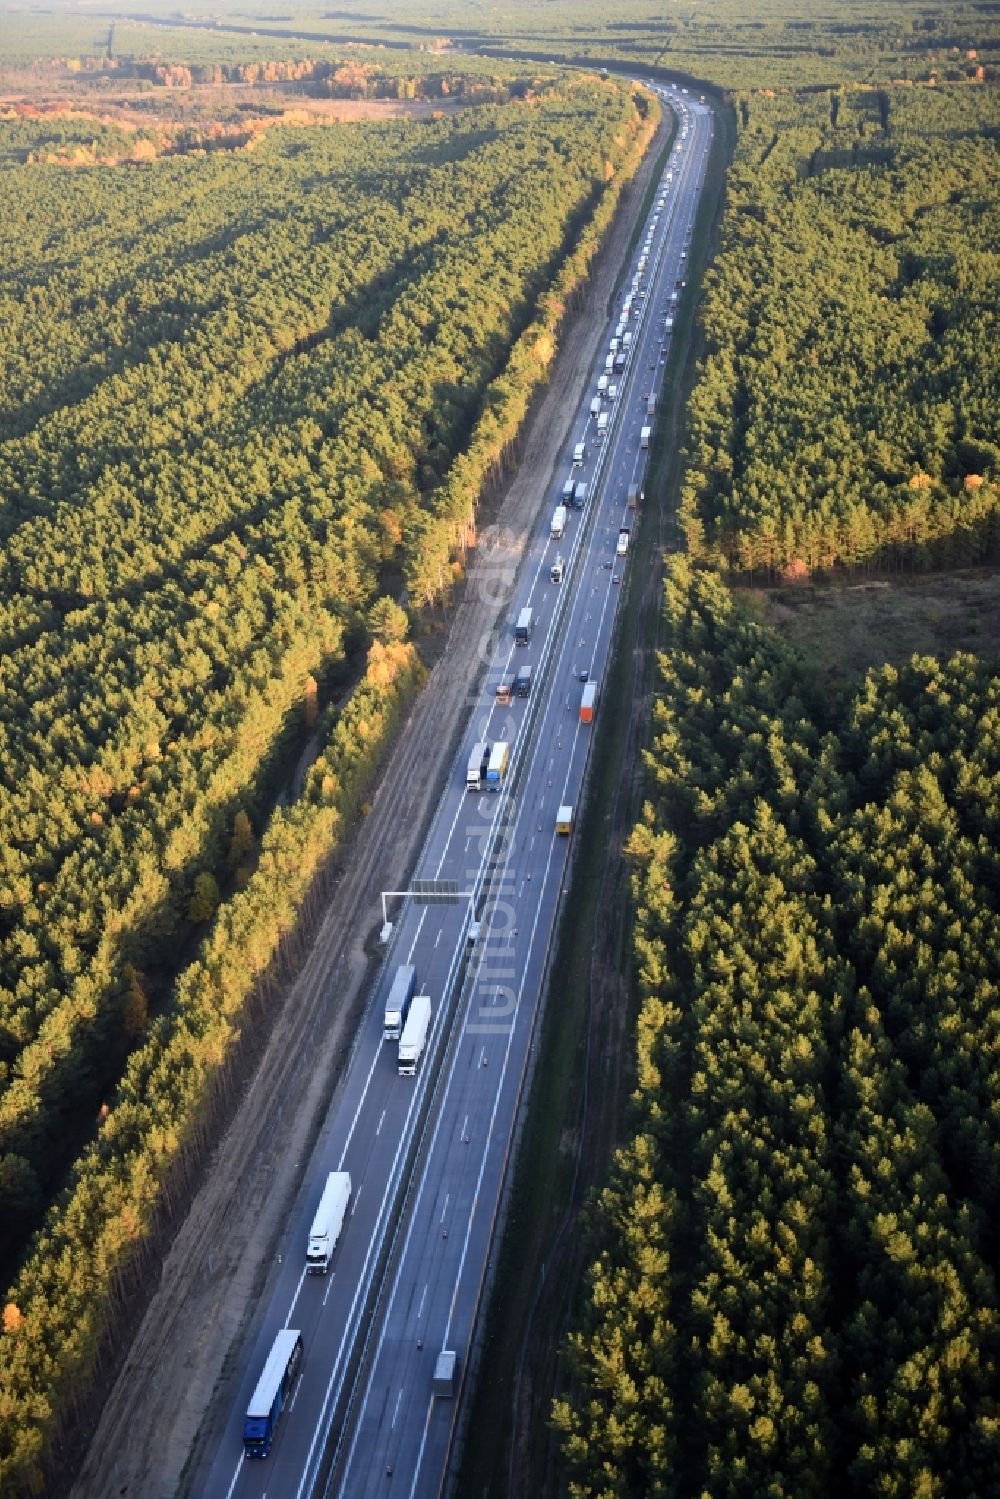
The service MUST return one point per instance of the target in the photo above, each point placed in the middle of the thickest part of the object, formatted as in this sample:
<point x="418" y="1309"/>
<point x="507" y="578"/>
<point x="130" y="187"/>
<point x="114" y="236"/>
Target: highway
<point x="427" y="1155"/>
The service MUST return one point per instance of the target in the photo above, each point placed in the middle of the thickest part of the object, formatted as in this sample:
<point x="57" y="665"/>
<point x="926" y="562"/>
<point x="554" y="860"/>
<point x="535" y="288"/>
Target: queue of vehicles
<point x="408" y="1014"/>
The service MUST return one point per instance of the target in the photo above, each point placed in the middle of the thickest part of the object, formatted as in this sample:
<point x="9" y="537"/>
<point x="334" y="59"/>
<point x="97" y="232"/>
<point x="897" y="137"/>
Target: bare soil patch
<point x="176" y="1382"/>
<point x="847" y="627"/>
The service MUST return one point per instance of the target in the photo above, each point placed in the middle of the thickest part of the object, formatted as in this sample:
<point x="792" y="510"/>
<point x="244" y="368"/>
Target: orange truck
<point x="588" y="703"/>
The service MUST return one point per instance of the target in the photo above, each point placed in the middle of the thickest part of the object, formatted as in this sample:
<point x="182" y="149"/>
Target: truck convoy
<point x="497" y="768"/>
<point x="479" y="759"/>
<point x="558" y="525"/>
<point x="328" y="1222"/>
<point x="414" y="1037"/>
<point x="403" y="985"/>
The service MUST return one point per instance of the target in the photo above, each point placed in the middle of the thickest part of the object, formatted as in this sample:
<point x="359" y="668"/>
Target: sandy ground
<point x="178" y="1374"/>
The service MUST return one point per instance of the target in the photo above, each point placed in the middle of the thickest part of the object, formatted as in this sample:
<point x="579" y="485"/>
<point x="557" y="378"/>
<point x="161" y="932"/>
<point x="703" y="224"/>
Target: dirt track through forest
<point x="184" y="1361"/>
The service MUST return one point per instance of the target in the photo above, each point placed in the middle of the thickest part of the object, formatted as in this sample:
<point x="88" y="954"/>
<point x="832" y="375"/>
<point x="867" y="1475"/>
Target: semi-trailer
<point x="644" y="437"/>
<point x="595" y="406"/>
<point x="621" y="549"/>
<point x="580" y="451"/>
<point x="273" y="1389"/>
<point x="414" y="1037"/>
<point x="522" y="685"/>
<point x="478" y="760"/>
<point x="524" y="627"/>
<point x="328" y="1222"/>
<point x="403" y="985"/>
<point x="588" y="702"/>
<point x="564" y="820"/>
<point x="558" y="525"/>
<point x="497" y="768"/>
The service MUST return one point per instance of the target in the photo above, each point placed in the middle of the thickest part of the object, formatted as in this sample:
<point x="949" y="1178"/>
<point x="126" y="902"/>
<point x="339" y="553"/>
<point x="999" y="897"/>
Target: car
<point x="584" y="675"/>
<point x="616" y="577"/>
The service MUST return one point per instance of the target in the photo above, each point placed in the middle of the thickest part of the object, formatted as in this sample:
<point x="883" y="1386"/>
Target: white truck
<point x="644" y="437"/>
<point x="580" y="451"/>
<point x="475" y="774"/>
<point x="595" y="406"/>
<point x="403" y="985"/>
<point x="602" y="424"/>
<point x="328" y="1222"/>
<point x="558" y="525"/>
<point x="621" y="550"/>
<point x="557" y="570"/>
<point x="414" y="1037"/>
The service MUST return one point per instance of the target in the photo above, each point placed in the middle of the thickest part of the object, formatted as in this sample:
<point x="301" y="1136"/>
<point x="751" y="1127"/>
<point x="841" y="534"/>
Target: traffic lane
<point x="352" y="1263"/>
<point x="377" y="1446"/>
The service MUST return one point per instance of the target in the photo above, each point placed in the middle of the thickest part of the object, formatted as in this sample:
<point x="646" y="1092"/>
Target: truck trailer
<point x="271" y="1393"/>
<point x="524" y="627"/>
<point x="621" y="550"/>
<point x="564" y="820"/>
<point x="558" y="525"/>
<point x="414" y="1037"/>
<point x="497" y="768"/>
<point x="644" y="437"/>
<point x="403" y="985"/>
<point x="328" y="1222"/>
<point x="478" y="761"/>
<point x="588" y="702"/>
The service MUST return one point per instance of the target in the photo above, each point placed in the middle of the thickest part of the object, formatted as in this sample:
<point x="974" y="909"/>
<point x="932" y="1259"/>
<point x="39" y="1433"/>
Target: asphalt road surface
<point x="427" y="1154"/>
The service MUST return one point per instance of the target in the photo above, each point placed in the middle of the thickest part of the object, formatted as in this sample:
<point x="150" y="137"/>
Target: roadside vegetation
<point x="792" y="1280"/>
